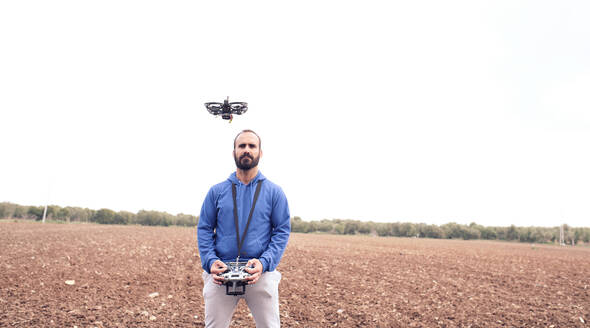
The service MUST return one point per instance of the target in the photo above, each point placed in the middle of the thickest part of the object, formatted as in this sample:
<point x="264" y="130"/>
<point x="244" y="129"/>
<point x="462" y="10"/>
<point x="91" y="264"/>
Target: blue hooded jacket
<point x="268" y="232"/>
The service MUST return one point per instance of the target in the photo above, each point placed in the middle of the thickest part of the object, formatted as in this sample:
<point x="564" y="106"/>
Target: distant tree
<point x="365" y="227"/>
<point x="548" y="235"/>
<point x="407" y="229"/>
<point x="20" y="211"/>
<point x="469" y="233"/>
<point x="63" y="214"/>
<point x="104" y="216"/>
<point x="351" y="227"/>
<point x="324" y="226"/>
<point x="80" y="214"/>
<point x="536" y="235"/>
<point x="35" y="212"/>
<point x="478" y="227"/>
<point x="123" y="217"/>
<point x="339" y="228"/>
<point x="452" y="230"/>
<point x="154" y="218"/>
<point x="384" y="229"/>
<point x="512" y="233"/>
<point x="524" y="234"/>
<point x="309" y="227"/>
<point x="297" y="225"/>
<point x="8" y="209"/>
<point x="432" y="231"/>
<point x="395" y="229"/>
<point x="52" y="211"/>
<point x="186" y="220"/>
<point x="3" y="210"/>
<point x="488" y="233"/>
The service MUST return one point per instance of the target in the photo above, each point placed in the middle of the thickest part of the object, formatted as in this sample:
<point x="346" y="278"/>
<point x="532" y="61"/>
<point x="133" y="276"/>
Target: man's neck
<point x="245" y="176"/>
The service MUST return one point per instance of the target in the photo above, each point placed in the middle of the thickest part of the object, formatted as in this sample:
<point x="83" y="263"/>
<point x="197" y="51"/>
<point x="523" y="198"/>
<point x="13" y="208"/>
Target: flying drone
<point x="227" y="109"/>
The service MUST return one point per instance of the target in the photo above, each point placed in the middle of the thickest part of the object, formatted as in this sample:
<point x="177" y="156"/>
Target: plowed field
<point x="113" y="273"/>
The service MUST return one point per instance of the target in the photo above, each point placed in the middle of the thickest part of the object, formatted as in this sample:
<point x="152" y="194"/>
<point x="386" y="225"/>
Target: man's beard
<point x="244" y="164"/>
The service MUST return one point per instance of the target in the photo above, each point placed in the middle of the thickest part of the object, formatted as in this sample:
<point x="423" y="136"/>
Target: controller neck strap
<point x="233" y="193"/>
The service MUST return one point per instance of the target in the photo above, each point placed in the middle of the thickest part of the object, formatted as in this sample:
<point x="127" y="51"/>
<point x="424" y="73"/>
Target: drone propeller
<point x="214" y="108"/>
<point x="238" y="107"/>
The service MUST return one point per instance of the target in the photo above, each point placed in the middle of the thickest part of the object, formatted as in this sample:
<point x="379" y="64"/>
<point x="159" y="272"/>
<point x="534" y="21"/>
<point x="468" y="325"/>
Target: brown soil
<point x="343" y="281"/>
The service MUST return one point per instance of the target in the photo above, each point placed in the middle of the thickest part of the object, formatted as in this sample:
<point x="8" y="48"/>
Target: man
<point x="263" y="243"/>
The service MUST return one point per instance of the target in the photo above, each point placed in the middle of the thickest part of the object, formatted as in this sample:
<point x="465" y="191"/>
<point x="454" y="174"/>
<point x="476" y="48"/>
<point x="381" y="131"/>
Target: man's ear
<point x="233" y="153"/>
<point x="260" y="153"/>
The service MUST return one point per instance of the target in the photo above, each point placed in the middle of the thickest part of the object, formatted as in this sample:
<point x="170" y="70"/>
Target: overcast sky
<point x="419" y="111"/>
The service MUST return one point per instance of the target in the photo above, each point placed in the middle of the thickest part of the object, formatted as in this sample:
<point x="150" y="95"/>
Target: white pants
<point x="262" y="299"/>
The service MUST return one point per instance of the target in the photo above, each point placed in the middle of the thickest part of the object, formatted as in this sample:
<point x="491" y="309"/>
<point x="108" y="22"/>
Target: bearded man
<point x="261" y="242"/>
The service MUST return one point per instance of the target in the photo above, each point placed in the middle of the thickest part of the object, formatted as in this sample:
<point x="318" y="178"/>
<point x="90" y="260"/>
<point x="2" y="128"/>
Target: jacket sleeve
<point x="281" y="228"/>
<point x="206" y="231"/>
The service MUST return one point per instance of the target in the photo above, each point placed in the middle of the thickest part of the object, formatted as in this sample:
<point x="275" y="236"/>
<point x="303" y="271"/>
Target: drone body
<point x="226" y="109"/>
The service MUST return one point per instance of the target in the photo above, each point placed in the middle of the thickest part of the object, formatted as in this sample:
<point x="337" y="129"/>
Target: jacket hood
<point x="234" y="179"/>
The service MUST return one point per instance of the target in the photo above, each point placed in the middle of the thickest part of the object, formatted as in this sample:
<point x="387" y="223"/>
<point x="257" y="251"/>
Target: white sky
<point x="420" y="111"/>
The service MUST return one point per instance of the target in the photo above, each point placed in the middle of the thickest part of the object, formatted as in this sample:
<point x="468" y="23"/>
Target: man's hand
<point x="216" y="268"/>
<point x="255" y="272"/>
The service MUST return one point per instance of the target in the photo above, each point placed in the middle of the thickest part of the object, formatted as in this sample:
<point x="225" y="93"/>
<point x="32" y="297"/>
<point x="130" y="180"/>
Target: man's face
<point x="247" y="151"/>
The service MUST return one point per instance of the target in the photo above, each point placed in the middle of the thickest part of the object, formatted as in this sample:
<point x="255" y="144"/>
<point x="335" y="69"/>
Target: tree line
<point x="334" y="226"/>
<point x="446" y="231"/>
<point x="102" y="216"/>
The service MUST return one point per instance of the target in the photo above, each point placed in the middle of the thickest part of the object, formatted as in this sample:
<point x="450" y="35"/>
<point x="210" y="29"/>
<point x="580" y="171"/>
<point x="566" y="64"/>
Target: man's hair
<point x="251" y="131"/>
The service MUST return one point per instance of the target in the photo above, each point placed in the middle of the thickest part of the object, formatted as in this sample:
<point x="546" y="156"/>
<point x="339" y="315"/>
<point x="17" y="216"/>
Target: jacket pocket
<point x="252" y="248"/>
<point x="224" y="247"/>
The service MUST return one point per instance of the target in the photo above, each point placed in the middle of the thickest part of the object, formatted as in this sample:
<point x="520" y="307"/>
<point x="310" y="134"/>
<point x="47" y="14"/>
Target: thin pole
<point x="45" y="210"/>
<point x="561" y="236"/>
<point x="44" y="213"/>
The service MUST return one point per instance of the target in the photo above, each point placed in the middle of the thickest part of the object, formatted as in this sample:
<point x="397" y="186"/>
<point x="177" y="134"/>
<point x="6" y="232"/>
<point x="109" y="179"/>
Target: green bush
<point x="104" y="216"/>
<point x="35" y="212"/>
<point x="154" y="218"/>
<point x="186" y="220"/>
